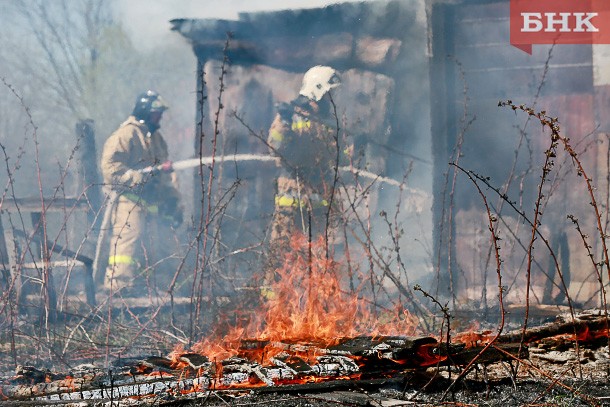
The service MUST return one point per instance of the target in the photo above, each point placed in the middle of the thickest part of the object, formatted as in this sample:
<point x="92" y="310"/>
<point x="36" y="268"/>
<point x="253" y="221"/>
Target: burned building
<point x="474" y="68"/>
<point x="486" y="178"/>
<point x="380" y="51"/>
<point x="422" y="86"/>
<point x="422" y="82"/>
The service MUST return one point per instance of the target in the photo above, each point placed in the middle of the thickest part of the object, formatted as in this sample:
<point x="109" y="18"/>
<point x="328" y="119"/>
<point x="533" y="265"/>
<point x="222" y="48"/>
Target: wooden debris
<point x="588" y="325"/>
<point x="554" y="357"/>
<point x="362" y="399"/>
<point x="353" y="360"/>
<point x="491" y="355"/>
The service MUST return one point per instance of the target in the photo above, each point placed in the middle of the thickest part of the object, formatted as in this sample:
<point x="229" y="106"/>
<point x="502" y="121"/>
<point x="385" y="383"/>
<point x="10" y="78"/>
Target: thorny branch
<point x="495" y="239"/>
<point x="206" y="198"/>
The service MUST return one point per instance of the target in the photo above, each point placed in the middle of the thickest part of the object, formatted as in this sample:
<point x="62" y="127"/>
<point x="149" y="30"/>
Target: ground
<point x="554" y="374"/>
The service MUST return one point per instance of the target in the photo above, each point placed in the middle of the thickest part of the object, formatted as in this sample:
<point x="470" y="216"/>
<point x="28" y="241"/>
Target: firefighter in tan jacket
<point x="304" y="136"/>
<point x="136" y="168"/>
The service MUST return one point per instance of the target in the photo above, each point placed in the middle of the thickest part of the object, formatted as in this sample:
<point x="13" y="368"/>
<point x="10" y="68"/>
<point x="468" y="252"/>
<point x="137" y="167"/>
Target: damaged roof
<point x="365" y="35"/>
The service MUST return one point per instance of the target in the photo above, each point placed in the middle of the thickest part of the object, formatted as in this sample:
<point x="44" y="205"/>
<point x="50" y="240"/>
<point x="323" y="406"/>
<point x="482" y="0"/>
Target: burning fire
<point x="472" y="336"/>
<point x="308" y="306"/>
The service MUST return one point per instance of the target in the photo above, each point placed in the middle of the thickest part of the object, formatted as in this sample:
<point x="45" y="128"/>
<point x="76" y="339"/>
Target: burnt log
<point x="297" y="366"/>
<point x="587" y="325"/>
<point x="491" y="354"/>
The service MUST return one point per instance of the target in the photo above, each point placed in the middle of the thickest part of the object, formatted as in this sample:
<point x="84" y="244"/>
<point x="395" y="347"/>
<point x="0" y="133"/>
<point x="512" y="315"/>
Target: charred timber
<point x="344" y="35"/>
<point x="354" y="360"/>
<point x="587" y="325"/>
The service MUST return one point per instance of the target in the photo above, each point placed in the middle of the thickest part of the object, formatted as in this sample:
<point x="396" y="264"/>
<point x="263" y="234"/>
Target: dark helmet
<point x="148" y="102"/>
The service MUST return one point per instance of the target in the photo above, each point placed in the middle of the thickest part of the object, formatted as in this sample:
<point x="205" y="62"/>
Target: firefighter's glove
<point x="174" y="221"/>
<point x="171" y="212"/>
<point x="167" y="166"/>
<point x="177" y="218"/>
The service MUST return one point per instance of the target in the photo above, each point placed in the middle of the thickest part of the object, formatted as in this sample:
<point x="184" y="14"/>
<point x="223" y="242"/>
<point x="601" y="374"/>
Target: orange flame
<point x="308" y="305"/>
<point x="472" y="336"/>
<point x="589" y="335"/>
<point x="428" y="357"/>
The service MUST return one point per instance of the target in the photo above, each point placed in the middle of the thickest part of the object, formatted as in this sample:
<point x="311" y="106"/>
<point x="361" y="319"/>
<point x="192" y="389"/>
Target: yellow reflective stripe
<point x="286" y="201"/>
<point x="267" y="293"/>
<point x="121" y="259"/>
<point x="133" y="197"/>
<point x="301" y="124"/>
<point x="276" y="135"/>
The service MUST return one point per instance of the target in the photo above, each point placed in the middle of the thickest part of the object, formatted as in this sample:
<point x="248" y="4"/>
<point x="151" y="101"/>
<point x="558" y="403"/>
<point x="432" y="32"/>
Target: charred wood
<point x="588" y="325"/>
<point x="354" y="361"/>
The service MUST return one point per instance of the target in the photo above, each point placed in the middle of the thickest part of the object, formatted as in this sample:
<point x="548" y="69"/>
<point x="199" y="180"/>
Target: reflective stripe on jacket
<point x="301" y="124"/>
<point x="286" y="201"/>
<point x="151" y="208"/>
<point x="121" y="259"/>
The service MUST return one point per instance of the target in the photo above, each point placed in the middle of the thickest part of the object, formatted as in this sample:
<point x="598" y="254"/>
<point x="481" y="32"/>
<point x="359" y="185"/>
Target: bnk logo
<point x="559" y="22"/>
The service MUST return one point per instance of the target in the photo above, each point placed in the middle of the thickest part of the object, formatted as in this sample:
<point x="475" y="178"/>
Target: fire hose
<point x="207" y="161"/>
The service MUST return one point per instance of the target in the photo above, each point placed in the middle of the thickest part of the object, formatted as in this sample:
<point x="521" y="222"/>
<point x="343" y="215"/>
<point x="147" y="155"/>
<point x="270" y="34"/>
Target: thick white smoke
<point x="148" y="22"/>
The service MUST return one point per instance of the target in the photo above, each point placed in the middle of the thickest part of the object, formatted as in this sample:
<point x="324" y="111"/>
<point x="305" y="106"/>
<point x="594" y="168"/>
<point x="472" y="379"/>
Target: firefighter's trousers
<point x="300" y="210"/>
<point x="297" y="209"/>
<point x="128" y="226"/>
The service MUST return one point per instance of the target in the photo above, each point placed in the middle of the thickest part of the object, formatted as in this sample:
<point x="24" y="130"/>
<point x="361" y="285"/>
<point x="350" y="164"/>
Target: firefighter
<point x="136" y="168"/>
<point x="304" y="136"/>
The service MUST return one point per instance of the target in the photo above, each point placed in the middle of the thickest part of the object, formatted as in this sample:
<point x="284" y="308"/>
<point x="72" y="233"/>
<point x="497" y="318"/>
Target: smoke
<point x="154" y="56"/>
<point x="148" y="22"/>
<point x="148" y="26"/>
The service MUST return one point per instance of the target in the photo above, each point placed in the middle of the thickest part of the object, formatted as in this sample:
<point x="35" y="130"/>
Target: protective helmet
<point x="318" y="80"/>
<point x="148" y="102"/>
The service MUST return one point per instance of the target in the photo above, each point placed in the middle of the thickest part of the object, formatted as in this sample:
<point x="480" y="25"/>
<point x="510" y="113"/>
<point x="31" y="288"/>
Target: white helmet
<point x="318" y="80"/>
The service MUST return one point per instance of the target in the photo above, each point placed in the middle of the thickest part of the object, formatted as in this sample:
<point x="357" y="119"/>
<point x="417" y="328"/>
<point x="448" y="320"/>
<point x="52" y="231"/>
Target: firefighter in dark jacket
<point x="304" y="136"/>
<point x="136" y="168"/>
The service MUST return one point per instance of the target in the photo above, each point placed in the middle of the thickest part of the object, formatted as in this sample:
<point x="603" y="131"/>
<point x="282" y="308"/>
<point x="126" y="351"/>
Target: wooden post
<point x="89" y="180"/>
<point x="10" y="280"/>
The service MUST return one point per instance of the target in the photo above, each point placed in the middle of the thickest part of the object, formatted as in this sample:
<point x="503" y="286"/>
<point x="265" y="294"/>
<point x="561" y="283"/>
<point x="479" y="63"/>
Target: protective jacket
<point x="141" y="196"/>
<point x="307" y="147"/>
<point x="131" y="148"/>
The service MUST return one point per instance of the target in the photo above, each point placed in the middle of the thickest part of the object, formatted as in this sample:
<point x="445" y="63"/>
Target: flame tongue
<point x="308" y="303"/>
<point x="308" y="307"/>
